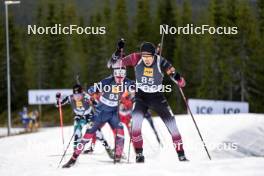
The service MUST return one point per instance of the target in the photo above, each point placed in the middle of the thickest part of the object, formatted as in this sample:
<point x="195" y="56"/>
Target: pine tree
<point x="260" y="13"/>
<point x="97" y="62"/>
<point x="106" y="48"/>
<point x="54" y="47"/>
<point x="17" y="67"/>
<point x="143" y="22"/>
<point x="184" y="57"/>
<point x="85" y="49"/>
<point x="3" y="83"/>
<point x="185" y="53"/>
<point x="36" y="50"/>
<point x="75" y="58"/>
<point x="120" y="22"/>
<point x="107" y="17"/>
<point x="208" y="67"/>
<point x="228" y="53"/>
<point x="250" y="59"/>
<point x="166" y="15"/>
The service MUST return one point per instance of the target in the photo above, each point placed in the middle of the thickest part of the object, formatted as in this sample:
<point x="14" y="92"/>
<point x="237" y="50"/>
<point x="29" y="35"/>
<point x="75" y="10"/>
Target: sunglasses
<point x="147" y="56"/>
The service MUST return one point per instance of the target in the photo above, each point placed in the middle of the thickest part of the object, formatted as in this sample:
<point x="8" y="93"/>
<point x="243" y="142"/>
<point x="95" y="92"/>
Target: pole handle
<point x="61" y="122"/>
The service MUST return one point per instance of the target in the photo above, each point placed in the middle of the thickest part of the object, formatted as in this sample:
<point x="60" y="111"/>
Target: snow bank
<point x="235" y="142"/>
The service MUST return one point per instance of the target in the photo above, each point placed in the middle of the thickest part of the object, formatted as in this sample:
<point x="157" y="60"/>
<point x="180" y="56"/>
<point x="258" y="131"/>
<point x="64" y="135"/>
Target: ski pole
<point x="130" y="130"/>
<point x="130" y="140"/>
<point x="61" y="122"/>
<point x="186" y="104"/>
<point x="66" y="150"/>
<point x="161" y="43"/>
<point x="188" y="108"/>
<point x="157" y="137"/>
<point x="115" y="147"/>
<point x="118" y="106"/>
<point x="116" y="135"/>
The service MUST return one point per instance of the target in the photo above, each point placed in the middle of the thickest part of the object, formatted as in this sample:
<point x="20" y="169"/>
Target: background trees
<point x="226" y="67"/>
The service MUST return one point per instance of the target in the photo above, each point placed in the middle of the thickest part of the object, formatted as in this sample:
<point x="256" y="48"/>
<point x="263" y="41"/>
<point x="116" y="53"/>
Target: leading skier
<point x="149" y="72"/>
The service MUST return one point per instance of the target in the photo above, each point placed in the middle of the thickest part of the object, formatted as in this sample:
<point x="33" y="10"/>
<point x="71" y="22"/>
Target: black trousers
<point x="158" y="103"/>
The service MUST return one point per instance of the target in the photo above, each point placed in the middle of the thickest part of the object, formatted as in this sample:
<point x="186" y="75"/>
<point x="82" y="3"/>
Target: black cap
<point x="147" y="47"/>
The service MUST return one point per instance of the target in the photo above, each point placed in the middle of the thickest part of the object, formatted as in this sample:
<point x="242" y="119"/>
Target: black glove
<point x="117" y="53"/>
<point x="58" y="95"/>
<point x="121" y="44"/>
<point x="176" y="76"/>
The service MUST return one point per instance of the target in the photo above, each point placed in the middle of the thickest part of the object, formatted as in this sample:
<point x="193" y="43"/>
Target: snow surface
<point x="242" y="136"/>
<point x="3" y="131"/>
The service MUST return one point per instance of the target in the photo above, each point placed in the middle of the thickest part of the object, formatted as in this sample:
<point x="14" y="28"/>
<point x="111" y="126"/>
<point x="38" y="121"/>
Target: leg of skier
<point x="161" y="106"/>
<point x="78" y="125"/>
<point x="125" y="119"/>
<point x="138" y="117"/>
<point x="117" y="126"/>
<point x="99" y="135"/>
<point x="91" y="147"/>
<point x="80" y="146"/>
<point x="90" y="119"/>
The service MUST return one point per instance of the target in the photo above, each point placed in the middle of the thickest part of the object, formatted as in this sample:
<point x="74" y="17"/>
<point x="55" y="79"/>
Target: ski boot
<point x="117" y="159"/>
<point x="110" y="152"/>
<point x="182" y="156"/>
<point x="89" y="150"/>
<point x="70" y="163"/>
<point x="139" y="156"/>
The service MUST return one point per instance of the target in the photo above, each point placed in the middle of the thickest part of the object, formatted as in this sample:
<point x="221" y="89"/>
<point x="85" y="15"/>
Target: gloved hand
<point x="176" y="76"/>
<point x="126" y="101"/>
<point x="121" y="44"/>
<point x="58" y="96"/>
<point x="116" y="55"/>
<point x="181" y="82"/>
<point x="125" y="95"/>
